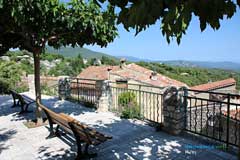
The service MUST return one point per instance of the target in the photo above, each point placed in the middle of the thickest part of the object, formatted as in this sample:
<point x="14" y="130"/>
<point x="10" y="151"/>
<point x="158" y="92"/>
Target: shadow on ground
<point x="53" y="103"/>
<point x="5" y="135"/>
<point x="132" y="139"/>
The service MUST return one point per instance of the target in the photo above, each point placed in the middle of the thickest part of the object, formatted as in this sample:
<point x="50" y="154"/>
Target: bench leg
<point x="57" y="131"/>
<point x="52" y="133"/>
<point x="26" y="109"/>
<point x="79" y="148"/>
<point x="89" y="155"/>
<point x="22" y="109"/>
<point x="86" y="154"/>
<point x="18" y="103"/>
<point x="14" y="103"/>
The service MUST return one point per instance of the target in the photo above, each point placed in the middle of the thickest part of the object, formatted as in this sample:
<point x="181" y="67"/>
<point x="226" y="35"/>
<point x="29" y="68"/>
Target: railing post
<point x="185" y="104"/>
<point x="174" y="114"/>
<point x="139" y="93"/>
<point x="64" y="88"/>
<point x="78" y="90"/>
<point x="103" y="101"/>
<point x="238" y="142"/>
<point x="228" y="120"/>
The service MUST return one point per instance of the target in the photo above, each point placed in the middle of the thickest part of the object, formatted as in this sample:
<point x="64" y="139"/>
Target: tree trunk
<point x="36" y="56"/>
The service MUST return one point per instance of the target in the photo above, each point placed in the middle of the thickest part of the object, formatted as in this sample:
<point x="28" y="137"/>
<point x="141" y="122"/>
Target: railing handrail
<point x="212" y="100"/>
<point x="84" y="83"/>
<point x="211" y="92"/>
<point x="141" y="85"/>
<point x="87" y="79"/>
<point x="136" y="90"/>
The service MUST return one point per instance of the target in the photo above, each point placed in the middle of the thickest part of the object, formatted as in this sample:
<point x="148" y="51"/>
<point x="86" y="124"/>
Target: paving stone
<point x="131" y="139"/>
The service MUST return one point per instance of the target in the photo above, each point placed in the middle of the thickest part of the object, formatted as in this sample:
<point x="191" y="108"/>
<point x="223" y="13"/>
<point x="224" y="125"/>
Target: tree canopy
<point x="28" y="24"/>
<point x="31" y="24"/>
<point x="175" y="15"/>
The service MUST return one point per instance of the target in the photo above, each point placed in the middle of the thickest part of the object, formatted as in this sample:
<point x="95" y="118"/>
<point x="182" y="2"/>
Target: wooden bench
<point x="21" y="100"/>
<point x="81" y="132"/>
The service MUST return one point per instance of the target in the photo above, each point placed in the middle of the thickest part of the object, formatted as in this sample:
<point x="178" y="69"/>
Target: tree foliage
<point x="109" y="61"/>
<point x="29" y="24"/>
<point x="175" y="15"/>
<point x="192" y="76"/>
<point x="68" y="67"/>
<point x="50" y="56"/>
<point x="10" y="77"/>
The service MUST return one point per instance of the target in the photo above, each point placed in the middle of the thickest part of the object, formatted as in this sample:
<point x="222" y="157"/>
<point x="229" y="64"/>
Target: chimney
<point x="153" y="76"/>
<point x="108" y="71"/>
<point x="122" y="62"/>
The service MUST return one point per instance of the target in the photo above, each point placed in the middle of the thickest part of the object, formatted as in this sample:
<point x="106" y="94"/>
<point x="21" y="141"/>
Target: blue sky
<point x="210" y="45"/>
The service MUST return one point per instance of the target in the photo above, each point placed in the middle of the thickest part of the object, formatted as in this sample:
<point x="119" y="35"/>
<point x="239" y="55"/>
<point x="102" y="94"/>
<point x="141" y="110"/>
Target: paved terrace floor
<point x="131" y="139"/>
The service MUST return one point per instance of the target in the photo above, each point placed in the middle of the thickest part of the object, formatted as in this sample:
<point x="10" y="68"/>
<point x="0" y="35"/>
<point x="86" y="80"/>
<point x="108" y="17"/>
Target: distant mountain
<point x="134" y="59"/>
<point x="205" y="64"/>
<point x="87" y="53"/>
<point x="73" y="52"/>
<point x="183" y="63"/>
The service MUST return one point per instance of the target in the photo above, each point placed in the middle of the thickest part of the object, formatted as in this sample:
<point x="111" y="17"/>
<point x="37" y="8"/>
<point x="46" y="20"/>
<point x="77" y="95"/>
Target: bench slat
<point x="93" y="133"/>
<point x="69" y="124"/>
<point x="28" y="98"/>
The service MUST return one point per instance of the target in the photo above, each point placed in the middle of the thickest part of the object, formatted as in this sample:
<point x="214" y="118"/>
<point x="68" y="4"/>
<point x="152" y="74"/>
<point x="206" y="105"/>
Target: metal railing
<point x="147" y="99"/>
<point x="85" y="91"/>
<point x="214" y="115"/>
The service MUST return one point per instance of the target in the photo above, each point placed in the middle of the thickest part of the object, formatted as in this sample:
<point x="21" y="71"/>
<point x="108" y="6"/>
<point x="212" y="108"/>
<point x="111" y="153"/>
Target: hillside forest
<point x="17" y="64"/>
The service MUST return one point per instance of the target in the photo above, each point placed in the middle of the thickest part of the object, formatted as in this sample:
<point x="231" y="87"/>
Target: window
<point x="122" y="83"/>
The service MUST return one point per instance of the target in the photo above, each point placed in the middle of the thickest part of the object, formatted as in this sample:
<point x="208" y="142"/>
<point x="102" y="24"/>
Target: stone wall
<point x="46" y="80"/>
<point x="174" y="110"/>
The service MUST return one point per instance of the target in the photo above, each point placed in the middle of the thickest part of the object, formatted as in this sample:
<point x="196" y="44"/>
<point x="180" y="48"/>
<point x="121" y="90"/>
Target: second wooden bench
<point x="21" y="100"/>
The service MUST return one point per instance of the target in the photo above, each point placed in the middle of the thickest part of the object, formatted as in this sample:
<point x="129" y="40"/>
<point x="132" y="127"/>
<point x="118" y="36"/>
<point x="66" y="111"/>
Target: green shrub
<point x="21" y="88"/>
<point x="130" y="108"/>
<point x="48" y="90"/>
<point x="4" y="86"/>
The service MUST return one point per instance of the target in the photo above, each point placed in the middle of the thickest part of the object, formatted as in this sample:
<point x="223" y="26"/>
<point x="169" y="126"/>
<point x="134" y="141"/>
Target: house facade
<point x="126" y="74"/>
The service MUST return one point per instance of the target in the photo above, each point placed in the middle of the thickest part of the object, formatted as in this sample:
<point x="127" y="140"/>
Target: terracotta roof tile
<point x="97" y="72"/>
<point x="234" y="114"/>
<point x="215" y="85"/>
<point x="142" y="74"/>
<point x="130" y="71"/>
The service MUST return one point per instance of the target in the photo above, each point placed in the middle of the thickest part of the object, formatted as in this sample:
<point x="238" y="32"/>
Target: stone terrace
<point x="132" y="139"/>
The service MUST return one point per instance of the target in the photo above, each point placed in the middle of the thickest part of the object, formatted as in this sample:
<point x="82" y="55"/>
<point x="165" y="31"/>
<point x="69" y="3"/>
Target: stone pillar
<point x="104" y="100"/>
<point x="173" y="111"/>
<point x="31" y="83"/>
<point x="64" y="89"/>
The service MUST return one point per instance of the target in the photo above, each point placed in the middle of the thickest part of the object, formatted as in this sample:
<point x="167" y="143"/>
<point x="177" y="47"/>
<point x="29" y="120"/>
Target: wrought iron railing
<point x="85" y="91"/>
<point x="147" y="99"/>
<point x="214" y="115"/>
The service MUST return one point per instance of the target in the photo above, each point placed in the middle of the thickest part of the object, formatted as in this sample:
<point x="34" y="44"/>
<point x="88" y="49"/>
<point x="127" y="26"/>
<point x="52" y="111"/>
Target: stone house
<point x="129" y="74"/>
<point x="223" y="86"/>
<point x="146" y="84"/>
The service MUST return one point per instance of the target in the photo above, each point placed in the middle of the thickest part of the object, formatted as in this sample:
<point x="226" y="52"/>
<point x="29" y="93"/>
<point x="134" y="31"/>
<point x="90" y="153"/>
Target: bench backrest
<point x="23" y="99"/>
<point x="56" y="118"/>
<point x="73" y="126"/>
<point x="93" y="136"/>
